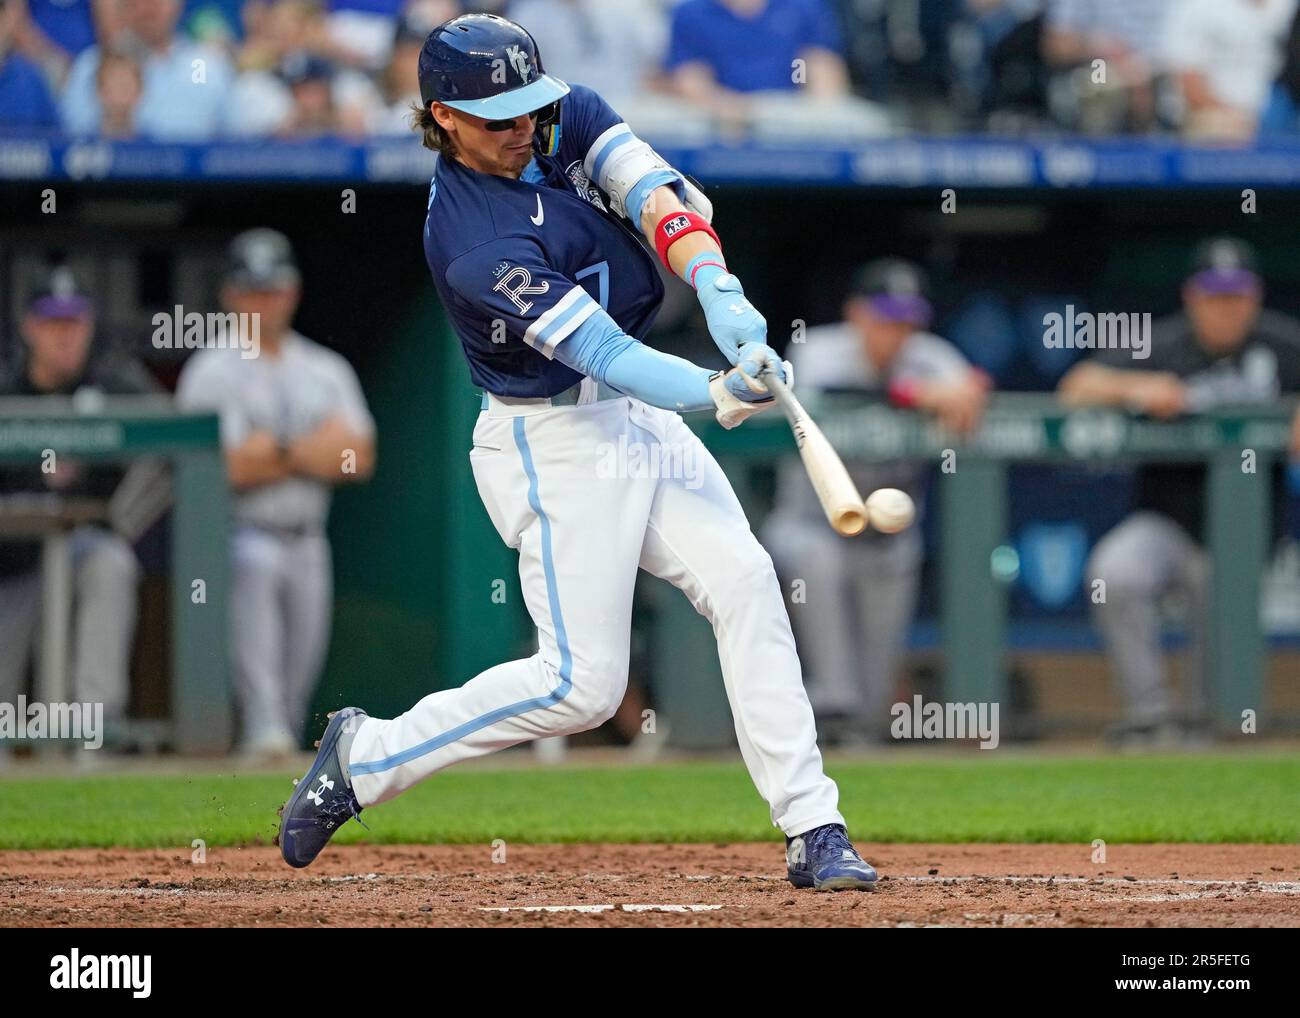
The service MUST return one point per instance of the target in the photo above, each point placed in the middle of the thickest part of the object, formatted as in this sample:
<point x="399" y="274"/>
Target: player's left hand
<point x="733" y="320"/>
<point x="751" y="361"/>
<point x="740" y="392"/>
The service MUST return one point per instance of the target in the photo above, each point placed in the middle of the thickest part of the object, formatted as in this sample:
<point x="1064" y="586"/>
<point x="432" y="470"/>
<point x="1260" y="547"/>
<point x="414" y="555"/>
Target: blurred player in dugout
<point x="59" y="358"/>
<point x="294" y="424"/>
<point x="859" y="595"/>
<point x="1222" y="348"/>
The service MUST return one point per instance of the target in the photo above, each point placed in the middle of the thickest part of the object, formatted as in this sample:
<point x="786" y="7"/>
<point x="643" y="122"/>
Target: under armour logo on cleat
<point x="796" y="854"/>
<point x="326" y="785"/>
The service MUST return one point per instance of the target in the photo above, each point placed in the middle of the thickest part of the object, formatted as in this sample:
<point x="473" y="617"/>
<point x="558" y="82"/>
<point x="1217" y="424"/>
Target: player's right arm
<point x="674" y="216"/>
<point x="513" y="287"/>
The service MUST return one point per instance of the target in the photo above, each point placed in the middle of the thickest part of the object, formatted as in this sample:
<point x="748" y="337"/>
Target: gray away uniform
<point x="1157" y="551"/>
<point x="281" y="583"/>
<point x="861" y="592"/>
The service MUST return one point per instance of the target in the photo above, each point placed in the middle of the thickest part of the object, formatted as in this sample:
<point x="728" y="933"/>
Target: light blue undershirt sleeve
<point x="601" y="350"/>
<point x="639" y="194"/>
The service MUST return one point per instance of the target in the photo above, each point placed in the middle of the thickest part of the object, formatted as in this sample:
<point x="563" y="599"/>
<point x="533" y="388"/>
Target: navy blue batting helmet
<point x="486" y="66"/>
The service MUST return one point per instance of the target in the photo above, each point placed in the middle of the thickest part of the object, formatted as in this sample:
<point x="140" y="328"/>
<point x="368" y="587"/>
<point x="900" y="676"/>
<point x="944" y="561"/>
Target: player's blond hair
<point x="433" y="137"/>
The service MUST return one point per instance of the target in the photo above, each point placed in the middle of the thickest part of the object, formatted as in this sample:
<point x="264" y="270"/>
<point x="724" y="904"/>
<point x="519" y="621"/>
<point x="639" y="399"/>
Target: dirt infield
<point x="653" y="885"/>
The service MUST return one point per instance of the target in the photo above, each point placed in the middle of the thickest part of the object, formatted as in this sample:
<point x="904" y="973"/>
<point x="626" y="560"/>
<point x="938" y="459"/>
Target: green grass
<point x="998" y="797"/>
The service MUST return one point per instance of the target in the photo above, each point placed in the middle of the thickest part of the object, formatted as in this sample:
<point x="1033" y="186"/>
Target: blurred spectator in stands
<point x="917" y="57"/>
<point x="998" y="53"/>
<point x="348" y="33"/>
<point x="185" y="84"/>
<point x="306" y="97"/>
<point x="259" y="98"/>
<point x="996" y="19"/>
<point x="119" y="85"/>
<point x="60" y="358"/>
<point x="310" y="80"/>
<point x="273" y="29"/>
<point x="54" y="32"/>
<point x="218" y="23"/>
<point x="1225" y="56"/>
<point x="294" y="424"/>
<point x="1282" y="114"/>
<point x="289" y="82"/>
<point x="1222" y="348"/>
<point x="25" y="100"/>
<point x="860" y="596"/>
<point x="399" y="86"/>
<point x="613" y="46"/>
<point x="755" y="64"/>
<point x="361" y="31"/>
<point x="1106" y="53"/>
<point x="720" y="49"/>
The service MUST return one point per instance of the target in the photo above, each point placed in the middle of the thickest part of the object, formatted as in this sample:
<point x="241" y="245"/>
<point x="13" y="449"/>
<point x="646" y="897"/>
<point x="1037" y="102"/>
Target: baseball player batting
<point x="543" y="214"/>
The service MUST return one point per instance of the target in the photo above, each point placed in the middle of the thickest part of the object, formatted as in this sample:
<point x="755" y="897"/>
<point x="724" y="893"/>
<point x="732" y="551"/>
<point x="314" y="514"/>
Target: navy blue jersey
<point x="520" y="264"/>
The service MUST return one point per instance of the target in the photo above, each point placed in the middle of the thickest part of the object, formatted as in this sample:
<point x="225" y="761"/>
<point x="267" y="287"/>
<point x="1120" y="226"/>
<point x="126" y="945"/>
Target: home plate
<point x="601" y="908"/>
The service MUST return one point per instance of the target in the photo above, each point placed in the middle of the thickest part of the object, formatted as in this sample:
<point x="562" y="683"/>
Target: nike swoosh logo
<point x="538" y="219"/>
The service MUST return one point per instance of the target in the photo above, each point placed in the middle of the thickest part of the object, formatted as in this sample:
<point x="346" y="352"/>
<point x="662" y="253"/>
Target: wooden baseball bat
<point x="835" y="489"/>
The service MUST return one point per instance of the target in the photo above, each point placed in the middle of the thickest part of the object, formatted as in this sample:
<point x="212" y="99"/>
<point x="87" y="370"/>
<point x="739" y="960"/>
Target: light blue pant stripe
<point x="548" y="565"/>
<point x="561" y="638"/>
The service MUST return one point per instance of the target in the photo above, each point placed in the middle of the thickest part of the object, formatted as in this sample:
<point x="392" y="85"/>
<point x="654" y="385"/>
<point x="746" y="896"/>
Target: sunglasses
<point x="546" y="116"/>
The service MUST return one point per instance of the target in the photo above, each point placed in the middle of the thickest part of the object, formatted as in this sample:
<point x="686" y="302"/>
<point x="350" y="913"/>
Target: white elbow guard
<point x="696" y="202"/>
<point x="619" y="161"/>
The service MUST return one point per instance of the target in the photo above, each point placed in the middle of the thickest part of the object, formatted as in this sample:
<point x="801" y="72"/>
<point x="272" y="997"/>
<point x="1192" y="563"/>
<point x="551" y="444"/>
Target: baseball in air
<point x="890" y="510"/>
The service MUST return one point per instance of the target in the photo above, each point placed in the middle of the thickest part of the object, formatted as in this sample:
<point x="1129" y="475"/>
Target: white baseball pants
<point x="581" y="492"/>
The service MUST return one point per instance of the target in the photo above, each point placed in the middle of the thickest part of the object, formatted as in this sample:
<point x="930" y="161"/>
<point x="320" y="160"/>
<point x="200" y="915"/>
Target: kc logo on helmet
<point x="519" y="61"/>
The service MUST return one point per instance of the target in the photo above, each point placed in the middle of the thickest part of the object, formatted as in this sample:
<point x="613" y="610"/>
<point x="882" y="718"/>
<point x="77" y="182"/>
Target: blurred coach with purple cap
<point x="860" y="595"/>
<point x="1222" y="348"/>
<point x="60" y="358"/>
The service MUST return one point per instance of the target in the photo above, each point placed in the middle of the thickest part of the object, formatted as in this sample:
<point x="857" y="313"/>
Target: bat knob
<point x="850" y="522"/>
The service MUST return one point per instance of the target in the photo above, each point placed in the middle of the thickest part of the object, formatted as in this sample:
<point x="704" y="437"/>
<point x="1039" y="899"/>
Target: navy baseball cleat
<point x="825" y="859"/>
<point x="323" y="801"/>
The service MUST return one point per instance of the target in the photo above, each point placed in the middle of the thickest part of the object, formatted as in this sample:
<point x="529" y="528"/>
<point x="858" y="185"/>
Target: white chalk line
<point x="602" y="908"/>
<point x="139" y="892"/>
<point x="1267" y="886"/>
<point x="1196" y="888"/>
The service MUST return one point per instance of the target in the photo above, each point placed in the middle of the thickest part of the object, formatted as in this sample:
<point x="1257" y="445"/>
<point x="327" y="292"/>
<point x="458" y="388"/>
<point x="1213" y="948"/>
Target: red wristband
<point x="903" y="393"/>
<point x="676" y="225"/>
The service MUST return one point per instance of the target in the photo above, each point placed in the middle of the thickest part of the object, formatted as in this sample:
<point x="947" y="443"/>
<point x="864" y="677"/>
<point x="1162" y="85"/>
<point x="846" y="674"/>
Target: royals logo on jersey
<point x="514" y="282"/>
<point x="582" y="183"/>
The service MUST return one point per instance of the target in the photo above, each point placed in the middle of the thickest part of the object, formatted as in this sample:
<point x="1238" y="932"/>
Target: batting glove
<point x="733" y="321"/>
<point x="740" y="393"/>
